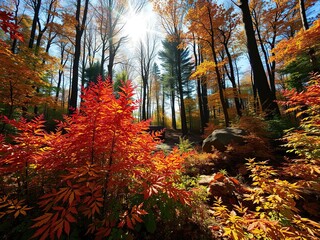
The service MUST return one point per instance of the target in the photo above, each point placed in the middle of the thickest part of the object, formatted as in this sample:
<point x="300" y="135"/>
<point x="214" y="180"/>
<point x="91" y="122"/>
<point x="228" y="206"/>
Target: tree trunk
<point x="15" y="41"/>
<point x="158" y="109"/>
<point x="84" y="62"/>
<point x="173" y="109"/>
<point x="39" y="38"/>
<point x="144" y="99"/>
<point x="75" y="74"/>
<point x="267" y="100"/>
<point x="233" y="82"/>
<point x="202" y="123"/>
<point x="305" y="25"/>
<point x="111" y="43"/>
<point x="77" y="53"/>
<point x="204" y="96"/>
<point x="163" y="101"/>
<point x="103" y="59"/>
<point x="63" y="93"/>
<point x="58" y="86"/>
<point x="182" y="107"/>
<point x="219" y="78"/>
<point x="303" y="15"/>
<point x="34" y="23"/>
<point x="199" y="93"/>
<point x="149" y="100"/>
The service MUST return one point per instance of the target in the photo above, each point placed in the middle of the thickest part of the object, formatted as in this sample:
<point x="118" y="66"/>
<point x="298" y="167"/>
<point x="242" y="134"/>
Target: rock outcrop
<point x="220" y="138"/>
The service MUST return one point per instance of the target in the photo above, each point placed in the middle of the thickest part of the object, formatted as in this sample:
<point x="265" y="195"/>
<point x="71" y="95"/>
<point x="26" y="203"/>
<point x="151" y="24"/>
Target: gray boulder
<point x="220" y="139"/>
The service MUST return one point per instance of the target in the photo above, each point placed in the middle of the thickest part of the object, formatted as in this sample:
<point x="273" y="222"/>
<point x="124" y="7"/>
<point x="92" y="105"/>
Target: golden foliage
<point x="21" y="75"/>
<point x="288" y="49"/>
<point x="268" y="211"/>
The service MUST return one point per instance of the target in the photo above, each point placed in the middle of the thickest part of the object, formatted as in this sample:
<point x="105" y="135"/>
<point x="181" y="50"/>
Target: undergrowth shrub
<point x="184" y="145"/>
<point x="210" y="128"/>
<point x="268" y="211"/>
<point x="254" y="125"/>
<point x="98" y="175"/>
<point x="201" y="163"/>
<point x="277" y="127"/>
<point x="304" y="141"/>
<point x="282" y="204"/>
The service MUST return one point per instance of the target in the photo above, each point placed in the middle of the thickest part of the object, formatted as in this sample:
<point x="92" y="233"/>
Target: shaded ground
<point x="172" y="139"/>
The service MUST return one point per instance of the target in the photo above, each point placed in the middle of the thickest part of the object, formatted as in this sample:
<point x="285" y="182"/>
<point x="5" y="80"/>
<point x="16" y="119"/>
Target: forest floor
<point x="172" y="139"/>
<point x="233" y="164"/>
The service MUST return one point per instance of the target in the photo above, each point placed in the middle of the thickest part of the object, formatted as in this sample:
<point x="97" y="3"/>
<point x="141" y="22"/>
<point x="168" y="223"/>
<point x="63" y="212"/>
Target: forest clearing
<point x="137" y="119"/>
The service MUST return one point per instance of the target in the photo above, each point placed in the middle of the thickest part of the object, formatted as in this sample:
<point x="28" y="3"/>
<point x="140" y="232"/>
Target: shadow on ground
<point x="172" y="139"/>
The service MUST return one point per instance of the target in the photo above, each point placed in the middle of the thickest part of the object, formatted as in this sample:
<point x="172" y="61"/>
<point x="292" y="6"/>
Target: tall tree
<point x="108" y="15"/>
<point x="305" y="25"/>
<point x="146" y="55"/>
<point x="271" y="19"/>
<point x="81" y="17"/>
<point x="267" y="99"/>
<point x="35" y="5"/>
<point x="64" y="57"/>
<point x="50" y="13"/>
<point x="93" y="45"/>
<point x="204" y="22"/>
<point x="157" y="89"/>
<point x="227" y="30"/>
<point x="172" y="15"/>
<point x="201" y="85"/>
<point x="169" y="77"/>
<point x="188" y="85"/>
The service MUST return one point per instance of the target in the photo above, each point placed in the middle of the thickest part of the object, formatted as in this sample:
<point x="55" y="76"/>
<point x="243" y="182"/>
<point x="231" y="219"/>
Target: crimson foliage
<point x="100" y="170"/>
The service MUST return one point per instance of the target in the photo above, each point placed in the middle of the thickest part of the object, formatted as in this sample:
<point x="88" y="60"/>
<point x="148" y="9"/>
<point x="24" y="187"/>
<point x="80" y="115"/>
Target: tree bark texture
<point x="267" y="99"/>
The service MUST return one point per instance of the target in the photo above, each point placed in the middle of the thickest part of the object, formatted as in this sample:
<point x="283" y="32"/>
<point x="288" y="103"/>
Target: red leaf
<point x="70" y="218"/>
<point x="59" y="228"/>
<point x="44" y="231"/>
<point x="137" y="218"/>
<point x="66" y="227"/>
<point x="121" y="224"/>
<point x="129" y="223"/>
<point x="45" y="234"/>
<point x="42" y="220"/>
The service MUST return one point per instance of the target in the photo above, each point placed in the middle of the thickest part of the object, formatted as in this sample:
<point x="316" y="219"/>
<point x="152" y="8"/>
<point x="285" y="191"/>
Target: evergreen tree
<point x="177" y="66"/>
<point x="91" y="73"/>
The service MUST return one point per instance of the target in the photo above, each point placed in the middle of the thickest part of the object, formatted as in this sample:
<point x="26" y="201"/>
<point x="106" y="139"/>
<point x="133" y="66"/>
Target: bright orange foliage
<point x="106" y="168"/>
<point x="21" y="74"/>
<point x="287" y="50"/>
<point x="305" y="141"/>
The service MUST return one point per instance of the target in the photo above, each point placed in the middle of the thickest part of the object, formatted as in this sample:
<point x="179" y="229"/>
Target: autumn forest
<point x="167" y="119"/>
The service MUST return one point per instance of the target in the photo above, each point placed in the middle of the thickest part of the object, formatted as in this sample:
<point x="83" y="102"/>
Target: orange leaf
<point x="42" y="220"/>
<point x="218" y="176"/>
<point x="215" y="228"/>
<point x="16" y="214"/>
<point x="235" y="181"/>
